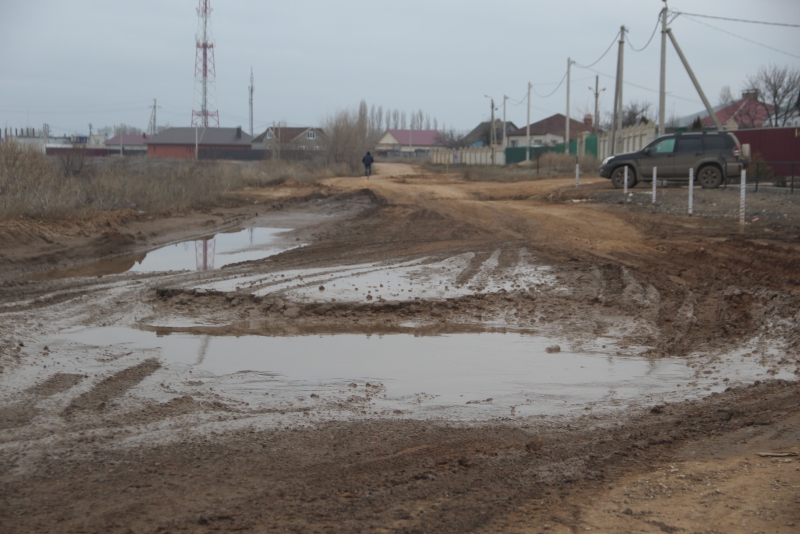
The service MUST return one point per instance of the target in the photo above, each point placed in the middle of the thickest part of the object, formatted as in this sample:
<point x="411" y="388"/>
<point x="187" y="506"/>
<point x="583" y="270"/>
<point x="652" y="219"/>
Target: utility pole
<point x="566" y="127"/>
<point x="528" y="127"/>
<point x="617" y="124"/>
<point x="597" y="91"/>
<point x="90" y="134"/>
<point x="504" y="121"/>
<point x="662" y="89"/>
<point x="250" y="89"/>
<point x="700" y="92"/>
<point x="492" y="132"/>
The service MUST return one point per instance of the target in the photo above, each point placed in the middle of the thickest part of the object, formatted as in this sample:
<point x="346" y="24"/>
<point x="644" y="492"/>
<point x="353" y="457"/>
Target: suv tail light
<point x="736" y="151"/>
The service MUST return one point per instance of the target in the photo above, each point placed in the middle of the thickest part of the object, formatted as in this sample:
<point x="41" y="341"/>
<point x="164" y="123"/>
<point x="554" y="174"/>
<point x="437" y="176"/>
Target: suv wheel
<point x="618" y="177"/>
<point x="709" y="177"/>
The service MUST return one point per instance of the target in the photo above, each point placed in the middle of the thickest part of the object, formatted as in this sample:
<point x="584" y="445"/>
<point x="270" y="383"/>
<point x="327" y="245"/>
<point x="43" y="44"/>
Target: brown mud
<point x="98" y="438"/>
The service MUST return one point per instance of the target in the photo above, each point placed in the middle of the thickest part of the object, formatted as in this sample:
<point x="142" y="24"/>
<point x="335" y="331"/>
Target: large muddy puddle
<point x="460" y="375"/>
<point x="201" y="254"/>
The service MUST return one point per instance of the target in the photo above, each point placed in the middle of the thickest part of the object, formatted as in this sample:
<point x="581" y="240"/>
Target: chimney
<point x="238" y="132"/>
<point x="588" y="120"/>
<point x="750" y="94"/>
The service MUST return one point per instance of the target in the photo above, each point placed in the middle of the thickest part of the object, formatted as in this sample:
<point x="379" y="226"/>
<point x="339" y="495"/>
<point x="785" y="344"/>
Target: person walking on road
<point x="367" y="161"/>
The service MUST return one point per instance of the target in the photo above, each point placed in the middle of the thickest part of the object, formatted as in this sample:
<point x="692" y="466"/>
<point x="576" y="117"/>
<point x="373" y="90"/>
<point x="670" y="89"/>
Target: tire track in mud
<point x="111" y="388"/>
<point x="473" y="268"/>
<point x="22" y="413"/>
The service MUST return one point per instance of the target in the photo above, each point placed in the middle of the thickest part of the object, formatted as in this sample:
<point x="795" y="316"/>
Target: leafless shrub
<point x="33" y="185"/>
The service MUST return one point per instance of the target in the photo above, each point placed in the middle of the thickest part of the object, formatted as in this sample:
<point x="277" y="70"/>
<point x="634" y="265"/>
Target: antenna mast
<point x="151" y="127"/>
<point x="204" y="69"/>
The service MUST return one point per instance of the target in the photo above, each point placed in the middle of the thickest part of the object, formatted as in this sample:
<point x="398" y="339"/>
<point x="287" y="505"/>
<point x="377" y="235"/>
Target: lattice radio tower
<point x="204" y="70"/>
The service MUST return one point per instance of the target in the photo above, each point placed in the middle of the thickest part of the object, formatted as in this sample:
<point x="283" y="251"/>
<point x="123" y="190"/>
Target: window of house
<point x="303" y="148"/>
<point x="311" y="134"/>
<point x="513" y="143"/>
<point x="269" y="134"/>
<point x="316" y="148"/>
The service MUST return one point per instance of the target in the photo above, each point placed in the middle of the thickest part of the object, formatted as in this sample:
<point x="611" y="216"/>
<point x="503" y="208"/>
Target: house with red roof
<point x="548" y="132"/>
<point x="744" y="113"/>
<point x="409" y="141"/>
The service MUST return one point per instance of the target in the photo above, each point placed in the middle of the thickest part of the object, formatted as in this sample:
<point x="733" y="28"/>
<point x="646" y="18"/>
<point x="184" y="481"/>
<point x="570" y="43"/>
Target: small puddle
<point x="460" y="375"/>
<point x="202" y="254"/>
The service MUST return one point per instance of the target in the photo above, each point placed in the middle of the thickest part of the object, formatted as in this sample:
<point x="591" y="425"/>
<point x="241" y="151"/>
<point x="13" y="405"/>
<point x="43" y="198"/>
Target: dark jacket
<point x="367" y="160"/>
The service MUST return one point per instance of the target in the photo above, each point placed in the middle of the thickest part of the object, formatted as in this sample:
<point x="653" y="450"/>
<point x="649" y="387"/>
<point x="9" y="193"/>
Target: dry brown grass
<point x="33" y="185"/>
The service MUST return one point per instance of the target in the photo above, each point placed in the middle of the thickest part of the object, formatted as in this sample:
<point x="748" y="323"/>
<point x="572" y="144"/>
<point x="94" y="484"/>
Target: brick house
<point x="181" y="142"/>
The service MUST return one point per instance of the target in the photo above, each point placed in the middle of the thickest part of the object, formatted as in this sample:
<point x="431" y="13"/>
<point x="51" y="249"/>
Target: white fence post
<point x="742" y="188"/>
<point x="655" y="177"/>
<point x="625" y="184"/>
<point x="691" y="189"/>
<point x="577" y="174"/>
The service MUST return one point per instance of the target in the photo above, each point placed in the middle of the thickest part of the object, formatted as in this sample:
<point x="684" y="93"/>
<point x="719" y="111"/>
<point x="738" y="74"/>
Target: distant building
<point x="181" y="142"/>
<point x="289" y="138"/>
<point x="408" y="141"/>
<point x="479" y="136"/>
<point x="549" y="131"/>
<point x="129" y="144"/>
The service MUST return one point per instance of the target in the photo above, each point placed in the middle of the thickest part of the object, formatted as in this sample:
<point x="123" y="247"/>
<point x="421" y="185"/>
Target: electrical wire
<point x="740" y="37"/>
<point x="648" y="41"/>
<point x="646" y="88"/>
<point x="738" y="20"/>
<point x="601" y="57"/>
<point x="554" y="90"/>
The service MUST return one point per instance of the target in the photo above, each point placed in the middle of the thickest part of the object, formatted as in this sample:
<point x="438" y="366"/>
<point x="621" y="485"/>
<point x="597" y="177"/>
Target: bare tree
<point x="396" y="119"/>
<point x="451" y="138"/>
<point x="435" y="124"/>
<point x="403" y="120"/>
<point x="725" y="96"/>
<point x="777" y="88"/>
<point x="427" y="122"/>
<point x="637" y="112"/>
<point x="379" y="118"/>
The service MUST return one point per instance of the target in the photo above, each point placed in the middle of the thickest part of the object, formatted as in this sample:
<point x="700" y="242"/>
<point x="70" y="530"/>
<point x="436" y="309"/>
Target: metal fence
<point x="777" y="173"/>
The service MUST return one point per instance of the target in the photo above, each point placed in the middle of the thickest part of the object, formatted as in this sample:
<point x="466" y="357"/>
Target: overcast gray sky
<point x="71" y="63"/>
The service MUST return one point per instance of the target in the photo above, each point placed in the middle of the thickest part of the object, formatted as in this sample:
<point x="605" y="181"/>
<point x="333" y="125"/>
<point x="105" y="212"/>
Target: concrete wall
<point x="629" y="139"/>
<point x="469" y="156"/>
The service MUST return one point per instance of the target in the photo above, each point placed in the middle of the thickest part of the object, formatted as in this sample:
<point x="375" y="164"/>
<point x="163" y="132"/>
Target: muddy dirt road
<point x="408" y="353"/>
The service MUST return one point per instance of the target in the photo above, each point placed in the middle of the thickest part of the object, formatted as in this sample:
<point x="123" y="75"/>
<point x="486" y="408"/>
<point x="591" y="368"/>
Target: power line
<point x="738" y="20"/>
<point x="646" y="88"/>
<point x="554" y="90"/>
<point x="740" y="37"/>
<point x="601" y="57"/>
<point x="658" y="20"/>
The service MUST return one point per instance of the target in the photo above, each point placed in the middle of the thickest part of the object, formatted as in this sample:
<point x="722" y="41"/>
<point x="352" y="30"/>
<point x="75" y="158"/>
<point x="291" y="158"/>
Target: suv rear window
<point x="717" y="142"/>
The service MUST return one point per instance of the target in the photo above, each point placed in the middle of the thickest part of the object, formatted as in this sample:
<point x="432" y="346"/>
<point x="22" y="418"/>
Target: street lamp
<point x="597" y="92"/>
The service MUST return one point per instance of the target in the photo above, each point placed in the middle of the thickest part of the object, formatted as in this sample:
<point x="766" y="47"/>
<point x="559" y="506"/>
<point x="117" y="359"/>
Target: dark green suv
<point x="713" y="156"/>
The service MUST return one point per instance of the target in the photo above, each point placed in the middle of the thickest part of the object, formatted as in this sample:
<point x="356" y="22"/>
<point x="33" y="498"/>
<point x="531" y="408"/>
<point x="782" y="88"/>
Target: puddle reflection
<point x="204" y="254"/>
